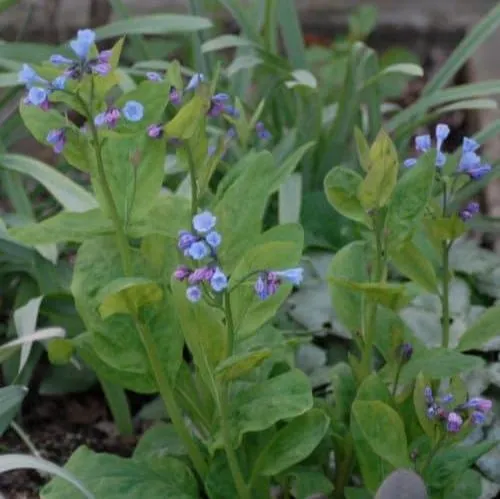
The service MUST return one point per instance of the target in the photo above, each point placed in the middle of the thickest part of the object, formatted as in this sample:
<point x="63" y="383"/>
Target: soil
<point x="57" y="426"/>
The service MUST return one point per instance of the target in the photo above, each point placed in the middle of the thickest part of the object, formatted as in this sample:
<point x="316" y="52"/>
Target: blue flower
<point x="186" y="239"/>
<point x="480" y="404"/>
<point x="294" y="276"/>
<point x="37" y="96"/>
<point x="195" y="81"/>
<point x="29" y="77"/>
<point x="454" y="422"/>
<point x="428" y="395"/>
<point x="213" y="239"/>
<point x="193" y="294"/>
<point x="204" y="222"/>
<point x="218" y="280"/>
<point x="469" y="211"/>
<point x="59" y="83"/>
<point x="470" y="161"/>
<point x="57" y="138"/>
<point x="59" y="59"/>
<point x="108" y="118"/>
<point x="153" y="76"/>
<point x="478" y="418"/>
<point x="84" y="40"/>
<point x="133" y="111"/>
<point x="446" y="399"/>
<point x="423" y="143"/>
<point x="155" y="131"/>
<point x="198" y="250"/>
<point x="262" y="132"/>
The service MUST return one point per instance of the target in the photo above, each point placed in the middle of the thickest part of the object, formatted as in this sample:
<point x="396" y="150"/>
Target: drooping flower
<point x="218" y="281"/>
<point x="108" y="118"/>
<point x="81" y="46"/>
<point x="185" y="240"/>
<point x="175" y="97"/>
<point x="477" y="418"/>
<point x="269" y="282"/>
<point x="59" y="83"/>
<point x="204" y="222"/>
<point x="469" y="211"/>
<point x="480" y="404"/>
<point x="154" y="76"/>
<point x="57" y="138"/>
<point x="423" y="143"/>
<point x="155" y="131"/>
<point x="29" y="77"/>
<point x="195" y="81"/>
<point x="214" y="239"/>
<point x="38" y="96"/>
<point x="133" y="111"/>
<point x="470" y="162"/>
<point x="294" y="275"/>
<point x="262" y="133"/>
<point x="454" y="422"/>
<point x="182" y="272"/>
<point x="193" y="294"/>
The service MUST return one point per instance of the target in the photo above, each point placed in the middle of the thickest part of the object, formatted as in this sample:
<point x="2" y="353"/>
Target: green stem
<point x="445" y="305"/>
<point x="230" y="324"/>
<point x="194" y="186"/>
<point x="167" y="394"/>
<point x="164" y="387"/>
<point x="396" y="379"/>
<point x="232" y="458"/>
<point x="25" y="438"/>
<point x="370" y="314"/>
<point x="119" y="407"/>
<point x="343" y="471"/>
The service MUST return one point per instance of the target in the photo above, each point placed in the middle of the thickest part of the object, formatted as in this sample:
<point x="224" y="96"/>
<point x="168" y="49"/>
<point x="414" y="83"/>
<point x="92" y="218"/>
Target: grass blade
<point x="292" y="33"/>
<point x="477" y="35"/>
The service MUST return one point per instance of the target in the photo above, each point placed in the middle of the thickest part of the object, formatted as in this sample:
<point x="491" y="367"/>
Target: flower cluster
<point x="262" y="132"/>
<point x="38" y="88"/>
<point x="470" y="162"/>
<point x="469" y="211"/>
<point x="454" y="418"/>
<point x="132" y="111"/>
<point x="200" y="244"/>
<point x="82" y="65"/>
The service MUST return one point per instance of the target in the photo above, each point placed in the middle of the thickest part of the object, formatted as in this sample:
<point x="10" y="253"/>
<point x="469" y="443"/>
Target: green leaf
<point x="10" y="462"/>
<point x="158" y="441"/>
<point x="383" y="430"/>
<point x="475" y="37"/>
<point x="484" y="329"/>
<point x="60" y="351"/>
<point x="363" y="150"/>
<point x="373" y="389"/>
<point x="412" y="263"/>
<point x="306" y="484"/>
<point x="114" y="477"/>
<point x="11" y="398"/>
<point x="261" y="406"/>
<point x="438" y="363"/>
<point x="344" y="387"/>
<point x="240" y="364"/>
<point x="449" y="464"/>
<point x="64" y="227"/>
<point x="341" y="188"/>
<point x="380" y="181"/>
<point x="409" y="200"/>
<point x="69" y="194"/>
<point x="293" y="443"/>
<point x="350" y="264"/>
<point x="202" y="326"/>
<point x="127" y="294"/>
<point x="468" y="486"/>
<point x="223" y="42"/>
<point x="421" y="406"/>
<point x="292" y="34"/>
<point x="157" y="24"/>
<point x="445" y="228"/>
<point x="278" y="248"/>
<point x="355" y="493"/>
<point x="219" y="483"/>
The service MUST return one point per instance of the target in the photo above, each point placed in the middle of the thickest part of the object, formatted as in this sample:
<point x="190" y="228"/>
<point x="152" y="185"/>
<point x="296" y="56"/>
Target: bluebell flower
<point x="202" y="274"/>
<point x="219" y="105"/>
<point x="218" y="280"/>
<point x="155" y="131"/>
<point x="185" y="240"/>
<point x="470" y="162"/>
<point x="479" y="403"/>
<point x="154" y="76"/>
<point x="294" y="276"/>
<point x="57" y="138"/>
<point x="469" y="211"/>
<point x="428" y="395"/>
<point x="204" y="222"/>
<point x="432" y="411"/>
<point x="454" y="422"/>
<point x="38" y="97"/>
<point x="175" y="97"/>
<point x="478" y="418"/>
<point x="193" y="294"/>
<point x="195" y="81"/>
<point x="213" y="239"/>
<point x="59" y="83"/>
<point x="262" y="132"/>
<point x="29" y="77"/>
<point x="133" y="111"/>
<point x="108" y="118"/>
<point x="182" y="272"/>
<point x="446" y="399"/>
<point x="198" y="250"/>
<point x="83" y="64"/>
<point x="423" y="143"/>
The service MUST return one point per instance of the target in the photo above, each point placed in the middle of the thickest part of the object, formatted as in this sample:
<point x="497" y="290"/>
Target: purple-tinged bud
<point x="469" y="211"/>
<point x="446" y="399"/>
<point x="405" y="352"/>
<point x="408" y="163"/>
<point x="428" y="395"/>
<point x="175" y="97"/>
<point x="193" y="294"/>
<point x="262" y="132"/>
<point x="105" y="56"/>
<point x="231" y="111"/>
<point x="477" y="418"/>
<point x="186" y="239"/>
<point x="155" y="131"/>
<point x="101" y="68"/>
<point x="454" y="422"/>
<point x="479" y="404"/>
<point x="182" y="272"/>
<point x="57" y="138"/>
<point x="203" y="274"/>
<point x="58" y="59"/>
<point x="154" y="76"/>
<point x="261" y="287"/>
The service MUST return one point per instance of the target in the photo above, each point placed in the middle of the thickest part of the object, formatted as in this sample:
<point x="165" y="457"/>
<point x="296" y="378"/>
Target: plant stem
<point x="167" y="394"/>
<point x="230" y="324"/>
<point x="370" y="314"/>
<point x="119" y="407"/>
<point x="445" y="305"/>
<point x="343" y="471"/>
<point x="232" y="458"/>
<point x="25" y="438"/>
<point x="194" y="185"/>
<point x="164" y="387"/>
<point x="396" y="379"/>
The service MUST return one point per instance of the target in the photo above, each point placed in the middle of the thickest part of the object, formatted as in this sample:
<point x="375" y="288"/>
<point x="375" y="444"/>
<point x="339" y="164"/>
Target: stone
<point x="402" y="484"/>
<point x="489" y="464"/>
<point x="489" y="490"/>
